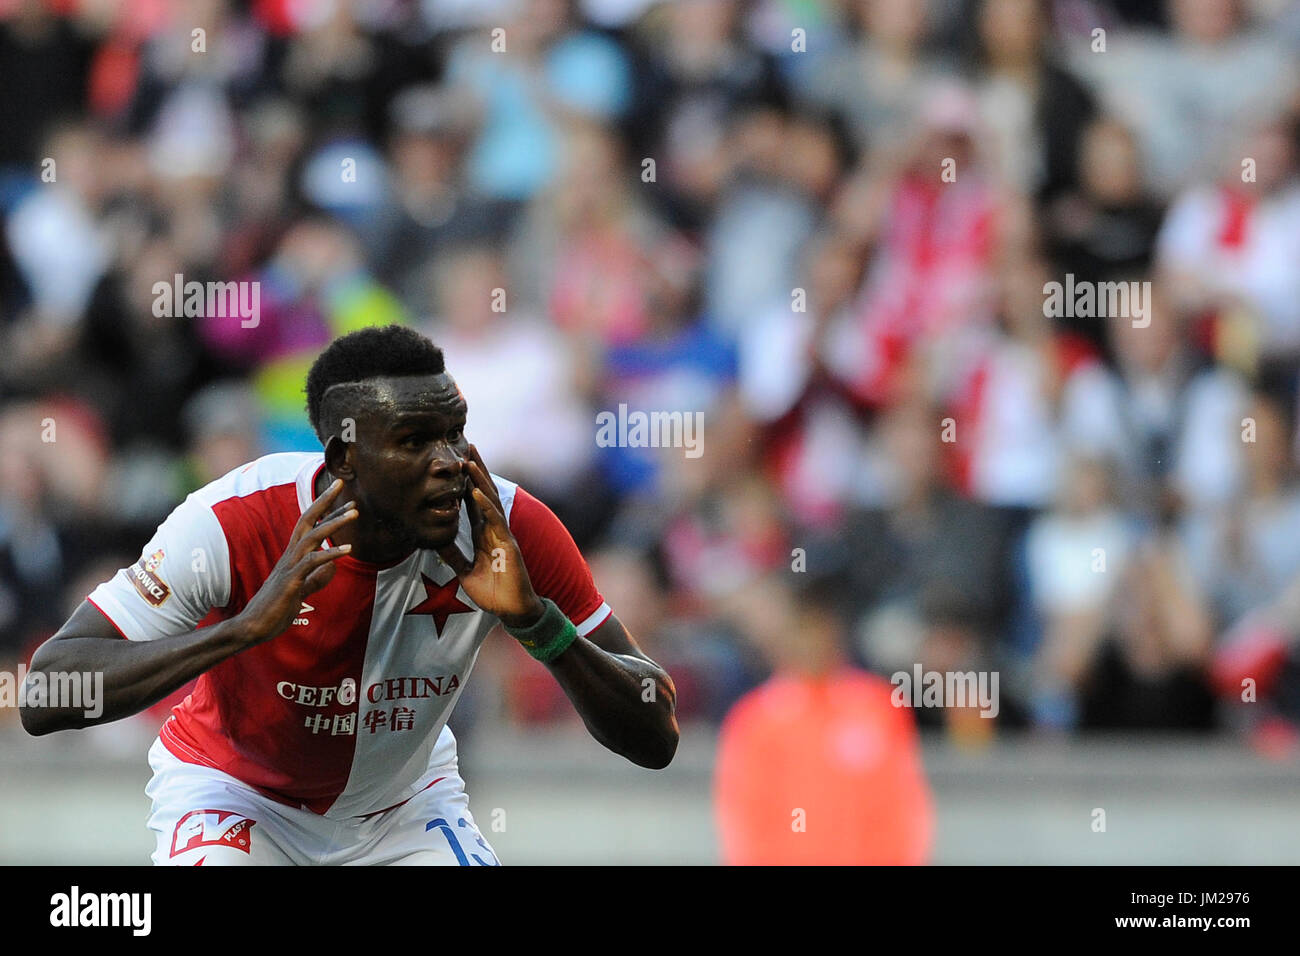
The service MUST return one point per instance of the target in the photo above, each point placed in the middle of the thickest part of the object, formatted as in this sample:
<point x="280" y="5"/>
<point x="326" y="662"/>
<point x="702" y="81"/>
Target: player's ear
<point x="338" y="458"/>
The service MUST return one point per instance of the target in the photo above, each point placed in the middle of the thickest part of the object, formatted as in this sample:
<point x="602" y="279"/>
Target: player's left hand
<point x="496" y="580"/>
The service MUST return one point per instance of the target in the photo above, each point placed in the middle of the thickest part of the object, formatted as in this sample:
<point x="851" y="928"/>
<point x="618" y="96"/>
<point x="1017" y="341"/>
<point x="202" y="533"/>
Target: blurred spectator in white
<point x="1186" y="94"/>
<point x="59" y="248"/>
<point x="525" y="416"/>
<point x="183" y="110"/>
<point x="1076" y="554"/>
<point x="1230" y="250"/>
<point x="783" y="169"/>
<point x="1247" y="550"/>
<point x="1005" y="414"/>
<point x="205" y="60"/>
<point x="1033" y="108"/>
<point x="1171" y="423"/>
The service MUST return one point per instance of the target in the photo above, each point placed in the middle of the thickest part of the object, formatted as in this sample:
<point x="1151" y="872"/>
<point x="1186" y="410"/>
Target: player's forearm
<point x="626" y="702"/>
<point x="136" y="674"/>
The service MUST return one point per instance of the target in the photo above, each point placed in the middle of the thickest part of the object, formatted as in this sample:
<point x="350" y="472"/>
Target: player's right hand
<point x="303" y="568"/>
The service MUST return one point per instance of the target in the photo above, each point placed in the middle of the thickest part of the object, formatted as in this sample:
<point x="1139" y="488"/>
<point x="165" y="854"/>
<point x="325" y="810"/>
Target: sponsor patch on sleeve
<point x="144" y="575"/>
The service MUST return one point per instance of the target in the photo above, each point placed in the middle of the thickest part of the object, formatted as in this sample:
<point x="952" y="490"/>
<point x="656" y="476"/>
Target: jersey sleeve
<point x="555" y="565"/>
<point x="183" y="573"/>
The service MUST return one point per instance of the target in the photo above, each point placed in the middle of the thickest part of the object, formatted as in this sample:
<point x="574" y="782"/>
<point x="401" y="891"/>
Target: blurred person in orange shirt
<point x="816" y="766"/>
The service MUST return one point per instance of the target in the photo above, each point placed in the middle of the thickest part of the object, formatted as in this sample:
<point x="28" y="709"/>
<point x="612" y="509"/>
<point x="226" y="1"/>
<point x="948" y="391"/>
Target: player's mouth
<point x="444" y="507"/>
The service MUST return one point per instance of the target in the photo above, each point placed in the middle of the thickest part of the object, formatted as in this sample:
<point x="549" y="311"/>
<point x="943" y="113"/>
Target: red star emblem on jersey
<point x="441" y="602"/>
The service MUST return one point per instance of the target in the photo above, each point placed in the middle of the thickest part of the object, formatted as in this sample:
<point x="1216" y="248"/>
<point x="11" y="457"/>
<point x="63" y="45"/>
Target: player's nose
<point x="446" y="461"/>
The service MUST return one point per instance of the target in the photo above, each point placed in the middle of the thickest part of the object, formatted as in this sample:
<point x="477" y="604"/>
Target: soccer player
<point x="332" y="606"/>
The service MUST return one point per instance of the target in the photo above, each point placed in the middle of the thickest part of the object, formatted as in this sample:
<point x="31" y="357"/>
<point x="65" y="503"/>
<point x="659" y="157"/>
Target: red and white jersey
<point x="340" y="714"/>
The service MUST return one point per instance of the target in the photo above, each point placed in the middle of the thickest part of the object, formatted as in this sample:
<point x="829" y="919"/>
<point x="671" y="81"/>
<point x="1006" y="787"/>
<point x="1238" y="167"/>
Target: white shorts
<point x="203" y="817"/>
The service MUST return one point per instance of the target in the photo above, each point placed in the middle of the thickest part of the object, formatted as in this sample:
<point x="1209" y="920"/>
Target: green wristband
<point x="549" y="637"/>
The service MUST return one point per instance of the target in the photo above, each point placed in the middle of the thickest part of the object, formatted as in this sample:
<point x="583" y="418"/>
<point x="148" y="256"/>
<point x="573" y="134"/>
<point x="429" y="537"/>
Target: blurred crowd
<point x="826" y="226"/>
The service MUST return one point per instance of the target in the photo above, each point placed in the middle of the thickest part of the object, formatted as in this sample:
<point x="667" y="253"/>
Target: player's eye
<point x="413" y="441"/>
